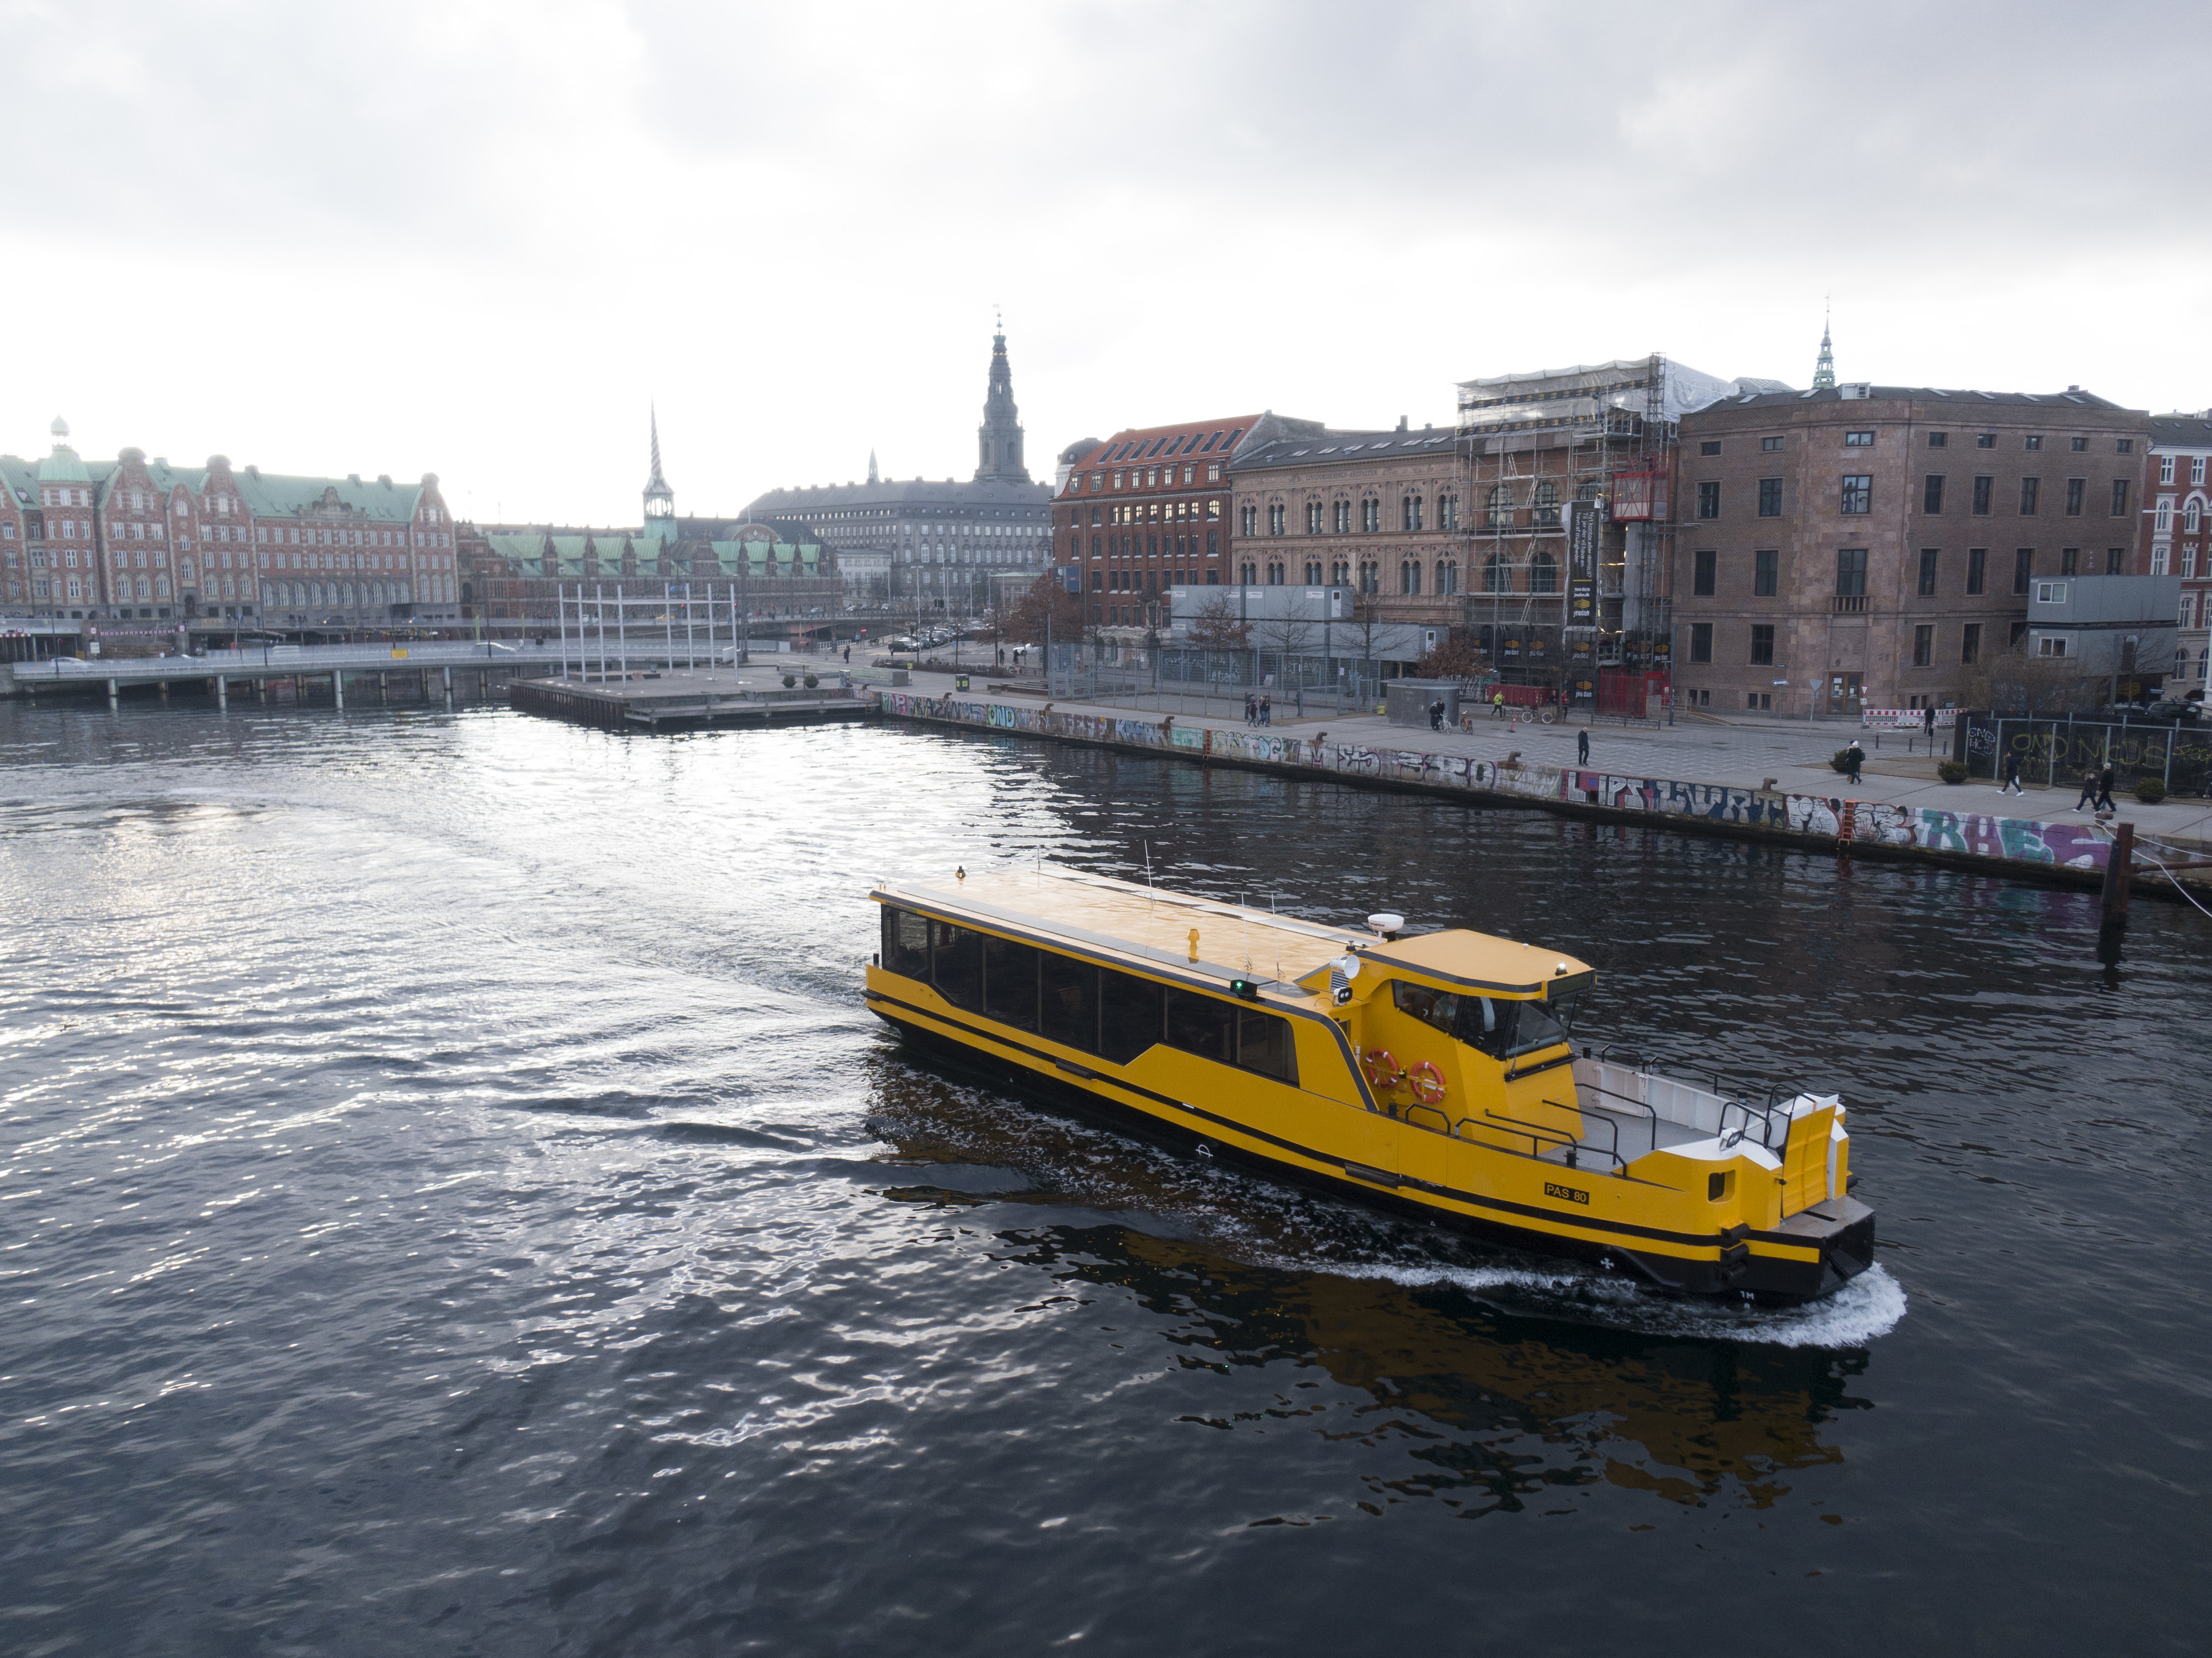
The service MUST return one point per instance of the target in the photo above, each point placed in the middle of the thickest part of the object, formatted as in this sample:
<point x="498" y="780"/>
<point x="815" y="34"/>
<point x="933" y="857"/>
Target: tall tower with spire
<point x="660" y="499"/>
<point x="872" y="479"/>
<point x="1824" y="371"/>
<point x="999" y="440"/>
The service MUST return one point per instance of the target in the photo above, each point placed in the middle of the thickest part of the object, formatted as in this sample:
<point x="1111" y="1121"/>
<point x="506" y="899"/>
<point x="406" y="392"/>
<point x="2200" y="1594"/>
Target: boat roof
<point x="1235" y="940"/>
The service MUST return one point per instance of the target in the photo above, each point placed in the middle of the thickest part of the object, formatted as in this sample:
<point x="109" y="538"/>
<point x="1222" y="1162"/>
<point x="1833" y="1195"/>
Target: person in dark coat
<point x="1855" y="756"/>
<point x="1582" y="746"/>
<point x="2088" y="790"/>
<point x="1927" y="720"/>
<point x="2012" y="776"/>
<point x="2105" y="788"/>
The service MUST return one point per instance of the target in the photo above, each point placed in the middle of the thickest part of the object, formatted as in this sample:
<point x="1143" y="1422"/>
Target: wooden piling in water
<point x="2119" y="874"/>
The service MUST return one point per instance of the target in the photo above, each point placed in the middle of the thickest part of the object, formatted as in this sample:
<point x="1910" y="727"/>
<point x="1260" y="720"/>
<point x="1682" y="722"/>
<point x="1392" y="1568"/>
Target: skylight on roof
<point x="1349" y="448"/>
<point x="1295" y="452"/>
<point x="1233" y="436"/>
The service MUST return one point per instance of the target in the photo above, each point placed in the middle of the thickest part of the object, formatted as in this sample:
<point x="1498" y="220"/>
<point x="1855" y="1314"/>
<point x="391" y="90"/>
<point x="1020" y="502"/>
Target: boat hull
<point x="1809" y="1256"/>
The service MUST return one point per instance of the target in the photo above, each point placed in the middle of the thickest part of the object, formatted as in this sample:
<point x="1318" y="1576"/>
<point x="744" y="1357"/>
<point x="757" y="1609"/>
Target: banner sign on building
<point x="1638" y="495"/>
<point x="1072" y="576"/>
<point x="1582" y="564"/>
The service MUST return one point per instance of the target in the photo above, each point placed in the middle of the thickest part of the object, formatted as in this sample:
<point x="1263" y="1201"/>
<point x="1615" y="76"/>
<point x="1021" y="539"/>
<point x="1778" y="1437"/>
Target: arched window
<point x="1546" y="501"/>
<point x="2192" y="517"/>
<point x="1543" y="575"/>
<point x="1500" y="512"/>
<point x="1497" y="575"/>
<point x="1409" y="576"/>
<point x="1448" y="576"/>
<point x="1275" y="575"/>
<point x="1246" y="575"/>
<point x="1593" y="490"/>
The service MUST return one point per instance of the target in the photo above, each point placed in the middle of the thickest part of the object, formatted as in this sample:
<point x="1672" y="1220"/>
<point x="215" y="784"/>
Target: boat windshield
<point x="1491" y="1024"/>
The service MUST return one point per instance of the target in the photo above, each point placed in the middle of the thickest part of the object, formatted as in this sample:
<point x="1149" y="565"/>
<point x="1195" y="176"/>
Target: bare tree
<point x="1047" y="598"/>
<point x="2014" y="682"/>
<point x="1215" y="625"/>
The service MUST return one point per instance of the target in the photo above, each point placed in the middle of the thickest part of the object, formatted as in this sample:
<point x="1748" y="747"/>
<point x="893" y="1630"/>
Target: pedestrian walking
<point x="848" y="656"/>
<point x="1300" y="694"/>
<point x="1251" y="709"/>
<point x="2088" y="790"/>
<point x="1582" y="746"/>
<point x="1928" y="721"/>
<point x="1266" y="710"/>
<point x="1855" y="756"/>
<point x="2012" y="776"/>
<point x="1498" y="705"/>
<point x="2105" y="788"/>
<point x="1436" y="716"/>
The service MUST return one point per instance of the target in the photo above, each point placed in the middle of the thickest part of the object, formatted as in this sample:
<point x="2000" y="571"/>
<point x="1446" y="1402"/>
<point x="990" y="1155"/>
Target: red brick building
<point x="140" y="541"/>
<point x="1148" y="510"/>
<point x="2176" y="536"/>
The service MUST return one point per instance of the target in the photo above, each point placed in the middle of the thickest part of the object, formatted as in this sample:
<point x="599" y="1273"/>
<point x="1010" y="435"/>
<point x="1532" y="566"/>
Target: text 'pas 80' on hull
<point x="1430" y="1073"/>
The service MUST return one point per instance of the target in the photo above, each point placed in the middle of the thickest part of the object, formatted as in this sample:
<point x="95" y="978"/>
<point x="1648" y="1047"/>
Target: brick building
<point x="1880" y="538"/>
<point x="2176" y="536"/>
<point x="1148" y="510"/>
<point x="515" y="574"/>
<point x="518" y="573"/>
<point x="140" y="541"/>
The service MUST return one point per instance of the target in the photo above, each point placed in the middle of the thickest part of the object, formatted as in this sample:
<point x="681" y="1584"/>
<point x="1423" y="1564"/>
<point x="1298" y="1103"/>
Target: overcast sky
<point x="479" y="237"/>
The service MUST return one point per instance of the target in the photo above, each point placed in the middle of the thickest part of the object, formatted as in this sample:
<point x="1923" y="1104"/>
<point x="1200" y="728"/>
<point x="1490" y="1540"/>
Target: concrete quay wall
<point x="2072" y="853"/>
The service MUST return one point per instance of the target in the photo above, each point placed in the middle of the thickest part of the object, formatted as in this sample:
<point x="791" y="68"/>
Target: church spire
<point x="1824" y="371"/>
<point x="872" y="479"/>
<point x="660" y="499"/>
<point x="999" y="440"/>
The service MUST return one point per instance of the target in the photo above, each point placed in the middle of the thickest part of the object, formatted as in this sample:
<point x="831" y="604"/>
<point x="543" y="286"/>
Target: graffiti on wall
<point x="2018" y="839"/>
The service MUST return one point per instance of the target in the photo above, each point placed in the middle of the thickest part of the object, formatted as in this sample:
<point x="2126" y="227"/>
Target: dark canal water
<point x="452" y="1200"/>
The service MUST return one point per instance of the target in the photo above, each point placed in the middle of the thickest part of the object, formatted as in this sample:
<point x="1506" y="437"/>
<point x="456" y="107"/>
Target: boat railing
<point x="1538" y="1135"/>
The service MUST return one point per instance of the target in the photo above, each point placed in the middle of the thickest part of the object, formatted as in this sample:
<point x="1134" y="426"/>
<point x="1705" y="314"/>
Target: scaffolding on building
<point x="1531" y="446"/>
<point x="1602" y="433"/>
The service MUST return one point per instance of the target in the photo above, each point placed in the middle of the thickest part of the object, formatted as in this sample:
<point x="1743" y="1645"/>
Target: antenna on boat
<point x="1247" y="914"/>
<point x="1148" y="870"/>
<point x="1272" y="917"/>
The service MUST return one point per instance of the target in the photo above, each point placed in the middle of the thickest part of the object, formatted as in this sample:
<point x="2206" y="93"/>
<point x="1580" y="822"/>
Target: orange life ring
<point x="1382" y="1068"/>
<point x="1426" y="1082"/>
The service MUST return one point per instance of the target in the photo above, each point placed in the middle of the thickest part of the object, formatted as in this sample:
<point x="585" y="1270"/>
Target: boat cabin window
<point x="1129" y="1015"/>
<point x="1099" y="1010"/>
<point x="1068" y="1001"/>
<point x="956" y="960"/>
<point x="1491" y="1024"/>
<point x="1200" y="1024"/>
<point x="1009" y="981"/>
<point x="906" y="943"/>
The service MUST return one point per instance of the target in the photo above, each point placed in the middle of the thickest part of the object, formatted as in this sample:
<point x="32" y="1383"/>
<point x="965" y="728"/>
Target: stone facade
<point x="942" y="546"/>
<point x="1881" y="538"/>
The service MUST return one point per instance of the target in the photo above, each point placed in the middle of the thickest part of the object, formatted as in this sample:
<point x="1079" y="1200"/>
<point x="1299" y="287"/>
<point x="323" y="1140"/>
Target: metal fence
<point x="2057" y="751"/>
<point x="1189" y="679"/>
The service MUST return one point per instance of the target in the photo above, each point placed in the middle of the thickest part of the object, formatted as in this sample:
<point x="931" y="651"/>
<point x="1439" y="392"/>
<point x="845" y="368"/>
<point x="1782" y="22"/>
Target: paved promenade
<point x="1738" y="752"/>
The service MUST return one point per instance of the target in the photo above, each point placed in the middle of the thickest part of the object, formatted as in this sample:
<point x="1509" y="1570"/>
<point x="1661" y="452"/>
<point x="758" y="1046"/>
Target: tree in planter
<point x="2149" y="790"/>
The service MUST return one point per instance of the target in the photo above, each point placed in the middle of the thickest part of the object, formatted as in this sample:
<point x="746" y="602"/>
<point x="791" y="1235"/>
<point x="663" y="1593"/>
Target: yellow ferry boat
<point x="1435" y="1074"/>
